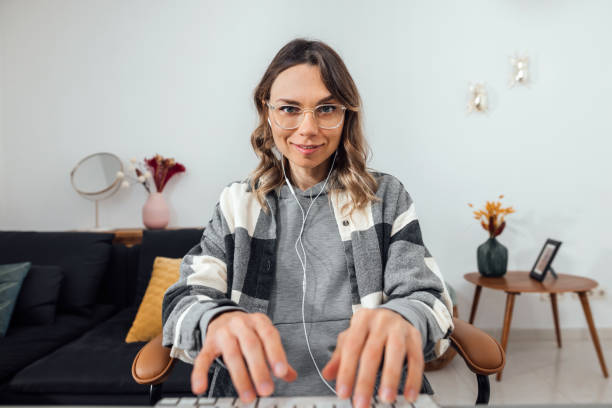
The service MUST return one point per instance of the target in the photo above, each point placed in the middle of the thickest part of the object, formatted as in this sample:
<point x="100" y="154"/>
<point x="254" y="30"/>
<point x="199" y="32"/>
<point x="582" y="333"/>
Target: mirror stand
<point x="96" y="177"/>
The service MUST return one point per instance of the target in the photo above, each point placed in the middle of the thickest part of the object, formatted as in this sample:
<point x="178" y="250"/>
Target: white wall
<point x="3" y="189"/>
<point x="140" y="77"/>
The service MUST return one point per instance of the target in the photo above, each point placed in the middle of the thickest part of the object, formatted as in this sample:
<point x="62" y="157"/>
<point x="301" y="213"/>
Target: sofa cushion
<point x="99" y="362"/>
<point x="38" y="296"/>
<point x="119" y="285"/>
<point x="167" y="243"/>
<point x="82" y="255"/>
<point x="11" y="280"/>
<point x="148" y="321"/>
<point x="24" y="344"/>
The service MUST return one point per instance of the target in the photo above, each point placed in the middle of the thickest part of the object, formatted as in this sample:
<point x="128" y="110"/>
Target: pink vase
<point x="155" y="212"/>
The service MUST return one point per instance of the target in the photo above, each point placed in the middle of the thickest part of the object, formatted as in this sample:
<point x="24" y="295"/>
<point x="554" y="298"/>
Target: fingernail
<point x="386" y="393"/>
<point x="343" y="391"/>
<point x="361" y="401"/>
<point x="412" y="395"/>
<point x="280" y="369"/>
<point x="247" y="396"/>
<point x="266" y="388"/>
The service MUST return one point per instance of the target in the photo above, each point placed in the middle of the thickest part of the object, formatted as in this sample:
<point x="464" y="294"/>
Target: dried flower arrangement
<point x="492" y="217"/>
<point x="158" y="168"/>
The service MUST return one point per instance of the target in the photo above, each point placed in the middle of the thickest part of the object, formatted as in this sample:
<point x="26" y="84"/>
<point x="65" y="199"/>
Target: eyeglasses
<point x="328" y="116"/>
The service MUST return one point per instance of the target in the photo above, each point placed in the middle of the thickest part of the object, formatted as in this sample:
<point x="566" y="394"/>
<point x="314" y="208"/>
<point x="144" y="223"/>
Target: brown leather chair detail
<point x="481" y="352"/>
<point x="153" y="364"/>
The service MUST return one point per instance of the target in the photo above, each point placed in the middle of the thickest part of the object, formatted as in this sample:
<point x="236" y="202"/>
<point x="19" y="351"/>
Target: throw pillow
<point x="148" y="321"/>
<point x="11" y="278"/>
<point x="37" y="299"/>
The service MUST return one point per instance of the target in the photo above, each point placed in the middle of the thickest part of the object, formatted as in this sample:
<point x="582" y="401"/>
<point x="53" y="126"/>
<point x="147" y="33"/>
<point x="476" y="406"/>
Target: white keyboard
<point x="424" y="401"/>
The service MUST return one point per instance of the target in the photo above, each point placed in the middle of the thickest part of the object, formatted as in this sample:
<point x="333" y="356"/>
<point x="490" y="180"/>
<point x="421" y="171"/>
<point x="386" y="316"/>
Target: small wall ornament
<point x="478" y="100"/>
<point x="520" y="71"/>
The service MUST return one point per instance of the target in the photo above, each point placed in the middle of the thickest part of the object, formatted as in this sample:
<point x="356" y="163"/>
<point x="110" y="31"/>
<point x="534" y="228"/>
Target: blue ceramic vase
<point x="492" y="258"/>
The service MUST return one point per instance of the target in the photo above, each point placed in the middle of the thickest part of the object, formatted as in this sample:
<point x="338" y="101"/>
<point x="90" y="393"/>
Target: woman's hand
<point x="371" y="331"/>
<point x="243" y="337"/>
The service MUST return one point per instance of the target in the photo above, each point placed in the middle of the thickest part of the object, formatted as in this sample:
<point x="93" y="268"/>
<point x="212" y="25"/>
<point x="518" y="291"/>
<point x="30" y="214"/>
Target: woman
<point x="313" y="260"/>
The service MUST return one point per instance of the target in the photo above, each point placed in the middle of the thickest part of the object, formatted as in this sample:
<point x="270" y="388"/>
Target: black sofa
<point x="80" y="357"/>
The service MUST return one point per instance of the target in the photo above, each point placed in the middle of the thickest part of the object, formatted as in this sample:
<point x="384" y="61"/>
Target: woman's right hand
<point x="241" y="337"/>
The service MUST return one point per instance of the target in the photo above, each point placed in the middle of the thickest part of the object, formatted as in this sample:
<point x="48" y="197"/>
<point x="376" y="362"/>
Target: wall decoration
<point x="520" y="71"/>
<point x="477" y="98"/>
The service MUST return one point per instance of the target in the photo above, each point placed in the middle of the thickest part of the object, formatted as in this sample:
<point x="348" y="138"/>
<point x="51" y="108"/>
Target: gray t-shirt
<point x="327" y="305"/>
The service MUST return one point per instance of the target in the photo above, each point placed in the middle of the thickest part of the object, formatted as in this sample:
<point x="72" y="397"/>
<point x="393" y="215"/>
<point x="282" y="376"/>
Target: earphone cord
<point x="303" y="262"/>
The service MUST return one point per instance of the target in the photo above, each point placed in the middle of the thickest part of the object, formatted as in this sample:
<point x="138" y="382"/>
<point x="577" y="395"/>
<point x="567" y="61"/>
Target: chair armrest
<point x="481" y="352"/>
<point x="153" y="364"/>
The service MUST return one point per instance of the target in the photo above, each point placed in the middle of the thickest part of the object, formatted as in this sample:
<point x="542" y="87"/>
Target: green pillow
<point x="11" y="278"/>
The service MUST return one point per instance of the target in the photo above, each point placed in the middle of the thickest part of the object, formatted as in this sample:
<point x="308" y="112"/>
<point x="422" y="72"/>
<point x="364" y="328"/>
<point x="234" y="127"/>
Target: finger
<point x="330" y="371"/>
<point x="291" y="375"/>
<point x="253" y="353"/>
<point x="368" y="368"/>
<point x="238" y="369"/>
<point x="199" y="374"/>
<point x="395" y="354"/>
<point x="273" y="347"/>
<point x="416" y="364"/>
<point x="349" y="358"/>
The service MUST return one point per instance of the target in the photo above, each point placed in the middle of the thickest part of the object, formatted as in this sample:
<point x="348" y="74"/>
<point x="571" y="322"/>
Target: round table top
<point x="519" y="281"/>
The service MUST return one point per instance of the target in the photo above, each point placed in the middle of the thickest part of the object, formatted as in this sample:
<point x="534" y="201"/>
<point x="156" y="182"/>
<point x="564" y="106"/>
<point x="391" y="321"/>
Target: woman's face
<point x="302" y="86"/>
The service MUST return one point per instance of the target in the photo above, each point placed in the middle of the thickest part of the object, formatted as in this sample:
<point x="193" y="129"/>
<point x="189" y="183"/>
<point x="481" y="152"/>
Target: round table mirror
<point x="95" y="177"/>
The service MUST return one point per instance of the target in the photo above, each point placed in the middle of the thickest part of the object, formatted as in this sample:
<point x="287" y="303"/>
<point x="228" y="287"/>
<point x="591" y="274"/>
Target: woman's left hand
<point x="371" y="332"/>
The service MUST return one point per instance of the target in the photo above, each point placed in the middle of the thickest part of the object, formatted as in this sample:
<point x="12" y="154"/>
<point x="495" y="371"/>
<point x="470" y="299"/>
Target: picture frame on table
<point x="543" y="263"/>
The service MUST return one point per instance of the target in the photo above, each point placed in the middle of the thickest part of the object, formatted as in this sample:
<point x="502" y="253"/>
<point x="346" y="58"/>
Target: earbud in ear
<point x="269" y="123"/>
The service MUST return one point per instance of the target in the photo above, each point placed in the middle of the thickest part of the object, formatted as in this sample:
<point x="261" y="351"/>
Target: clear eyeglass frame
<point x="303" y="115"/>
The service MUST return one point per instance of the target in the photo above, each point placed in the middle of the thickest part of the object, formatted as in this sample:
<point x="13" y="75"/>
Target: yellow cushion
<point x="148" y="321"/>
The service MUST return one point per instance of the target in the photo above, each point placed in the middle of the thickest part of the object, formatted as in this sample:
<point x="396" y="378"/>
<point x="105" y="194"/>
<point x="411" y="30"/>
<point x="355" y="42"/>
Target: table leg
<point x="475" y="303"/>
<point x="507" y="319"/>
<point x="594" y="337"/>
<point x="555" y="310"/>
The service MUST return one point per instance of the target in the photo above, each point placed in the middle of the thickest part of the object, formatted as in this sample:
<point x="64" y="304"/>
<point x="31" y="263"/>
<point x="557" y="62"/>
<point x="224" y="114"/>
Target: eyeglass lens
<point x="291" y="117"/>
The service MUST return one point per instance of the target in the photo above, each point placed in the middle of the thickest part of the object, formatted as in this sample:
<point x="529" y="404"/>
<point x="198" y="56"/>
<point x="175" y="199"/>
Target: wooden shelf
<point x="128" y="236"/>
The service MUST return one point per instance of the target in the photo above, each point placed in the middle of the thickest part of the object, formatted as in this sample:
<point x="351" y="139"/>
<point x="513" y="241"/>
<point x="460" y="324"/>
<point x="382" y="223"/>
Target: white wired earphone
<point x="303" y="262"/>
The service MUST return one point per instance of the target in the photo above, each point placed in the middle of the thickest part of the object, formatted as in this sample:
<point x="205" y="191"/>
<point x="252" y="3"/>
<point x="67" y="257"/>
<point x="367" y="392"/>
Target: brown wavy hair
<point x="350" y="171"/>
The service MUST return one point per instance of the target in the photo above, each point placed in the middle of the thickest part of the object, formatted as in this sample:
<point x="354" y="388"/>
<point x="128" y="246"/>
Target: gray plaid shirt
<point x="233" y="266"/>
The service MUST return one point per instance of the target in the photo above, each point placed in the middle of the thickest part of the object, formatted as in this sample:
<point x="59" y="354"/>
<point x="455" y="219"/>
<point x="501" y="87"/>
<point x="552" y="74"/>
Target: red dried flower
<point x="162" y="170"/>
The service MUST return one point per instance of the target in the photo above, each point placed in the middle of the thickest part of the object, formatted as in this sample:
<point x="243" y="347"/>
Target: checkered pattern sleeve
<point x="413" y="284"/>
<point x="201" y="293"/>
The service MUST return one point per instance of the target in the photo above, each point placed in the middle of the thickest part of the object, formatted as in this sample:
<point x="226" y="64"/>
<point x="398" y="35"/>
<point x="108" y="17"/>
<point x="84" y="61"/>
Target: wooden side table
<point x="516" y="282"/>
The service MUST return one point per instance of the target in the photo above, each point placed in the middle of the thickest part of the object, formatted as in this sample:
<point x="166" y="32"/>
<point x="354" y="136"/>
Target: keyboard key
<point x="343" y="403"/>
<point x="187" y="402"/>
<point x="167" y="402"/>
<point x="424" y="401"/>
<point x="295" y="402"/>
<point x="239" y="404"/>
<point x="267" y="402"/>
<point x="205" y="401"/>
<point x="325" y="402"/>
<point x="225" y="402"/>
